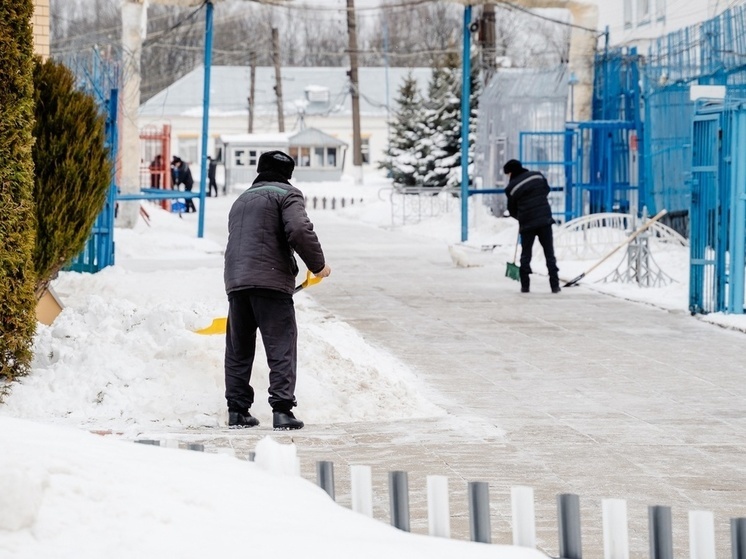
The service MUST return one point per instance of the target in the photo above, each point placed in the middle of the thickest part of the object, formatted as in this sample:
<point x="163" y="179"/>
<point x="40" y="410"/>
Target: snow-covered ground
<point x="123" y="358"/>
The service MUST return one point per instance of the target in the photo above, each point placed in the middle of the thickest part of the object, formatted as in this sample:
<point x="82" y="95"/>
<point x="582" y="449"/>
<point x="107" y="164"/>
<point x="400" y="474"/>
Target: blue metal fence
<point x="718" y="208"/>
<point x="690" y="157"/>
<point x="100" y="78"/>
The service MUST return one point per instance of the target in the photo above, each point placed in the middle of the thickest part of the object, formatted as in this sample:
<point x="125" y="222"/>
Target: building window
<point x="331" y="157"/>
<point x="252" y="158"/>
<point x="239" y="158"/>
<point x="318" y="157"/>
<point x="305" y="157"/>
<point x="643" y="12"/>
<point x="188" y="150"/>
<point x="365" y="150"/>
<point x="627" y="14"/>
<point x="660" y="10"/>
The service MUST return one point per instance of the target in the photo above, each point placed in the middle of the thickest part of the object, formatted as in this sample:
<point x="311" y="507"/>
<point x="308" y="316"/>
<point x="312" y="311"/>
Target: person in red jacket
<point x="527" y="194"/>
<point x="267" y="226"/>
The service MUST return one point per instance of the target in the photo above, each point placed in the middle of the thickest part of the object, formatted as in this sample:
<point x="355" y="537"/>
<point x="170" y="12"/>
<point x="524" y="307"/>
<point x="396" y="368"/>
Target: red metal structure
<point x="155" y="157"/>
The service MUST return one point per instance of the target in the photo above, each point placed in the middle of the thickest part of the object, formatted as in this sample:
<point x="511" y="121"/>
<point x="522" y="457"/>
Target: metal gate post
<point x="737" y="232"/>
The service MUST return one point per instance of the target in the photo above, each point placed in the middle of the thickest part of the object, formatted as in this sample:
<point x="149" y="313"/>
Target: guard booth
<point x="718" y="207"/>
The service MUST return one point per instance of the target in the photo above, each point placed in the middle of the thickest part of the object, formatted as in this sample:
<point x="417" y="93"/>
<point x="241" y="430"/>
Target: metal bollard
<point x="323" y="203"/>
<point x="342" y="202"/>
<point x="334" y="203"/>
<point x="399" y="496"/>
<point x="362" y="489"/>
<point x="438" y="507"/>
<point x="701" y="534"/>
<point x="738" y="537"/>
<point x="616" y="532"/>
<point x="315" y="200"/>
<point x="479" y="511"/>
<point x="325" y="476"/>
<point x="568" y="525"/>
<point x="661" y="535"/>
<point x="524" y="516"/>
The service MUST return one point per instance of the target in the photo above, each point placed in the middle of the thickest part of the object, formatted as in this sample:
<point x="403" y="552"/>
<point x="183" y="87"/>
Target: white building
<point x="636" y="22"/>
<point x="312" y="98"/>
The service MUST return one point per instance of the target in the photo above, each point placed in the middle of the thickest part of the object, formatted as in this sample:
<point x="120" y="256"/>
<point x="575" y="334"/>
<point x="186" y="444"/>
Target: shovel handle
<point x="310" y="280"/>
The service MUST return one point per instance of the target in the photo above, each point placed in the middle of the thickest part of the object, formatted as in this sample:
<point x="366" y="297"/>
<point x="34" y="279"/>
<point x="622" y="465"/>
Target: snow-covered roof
<point x="230" y="86"/>
<point x="306" y="137"/>
<point x="278" y="138"/>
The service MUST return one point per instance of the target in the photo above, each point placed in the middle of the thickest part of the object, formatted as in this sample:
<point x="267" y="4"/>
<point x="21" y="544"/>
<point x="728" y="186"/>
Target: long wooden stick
<point x="628" y="240"/>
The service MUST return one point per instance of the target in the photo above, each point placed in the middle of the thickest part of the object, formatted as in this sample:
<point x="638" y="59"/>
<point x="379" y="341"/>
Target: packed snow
<point x="123" y="358"/>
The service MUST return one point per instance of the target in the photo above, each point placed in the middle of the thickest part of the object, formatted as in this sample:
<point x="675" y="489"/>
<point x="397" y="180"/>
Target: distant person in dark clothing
<point x="156" y="171"/>
<point x="267" y="225"/>
<point x="527" y="194"/>
<point x="212" y="166"/>
<point x="183" y="175"/>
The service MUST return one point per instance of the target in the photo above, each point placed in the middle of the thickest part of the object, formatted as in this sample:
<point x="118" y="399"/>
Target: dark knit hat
<point x="513" y="166"/>
<point x="276" y="162"/>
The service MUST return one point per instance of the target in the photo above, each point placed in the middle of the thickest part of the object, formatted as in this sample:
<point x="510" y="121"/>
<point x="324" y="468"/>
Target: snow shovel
<point x="626" y="241"/>
<point x="219" y="325"/>
<point x="512" y="270"/>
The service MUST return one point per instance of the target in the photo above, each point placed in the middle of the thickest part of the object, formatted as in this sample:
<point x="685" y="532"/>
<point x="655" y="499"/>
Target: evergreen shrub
<point x="17" y="227"/>
<point x="73" y="171"/>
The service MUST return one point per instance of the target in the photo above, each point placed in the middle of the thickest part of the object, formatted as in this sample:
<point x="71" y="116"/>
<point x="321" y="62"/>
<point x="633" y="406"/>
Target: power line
<point x="515" y="7"/>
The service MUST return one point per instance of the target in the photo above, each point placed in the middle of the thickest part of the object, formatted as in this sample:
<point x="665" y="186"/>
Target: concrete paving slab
<point x="576" y="392"/>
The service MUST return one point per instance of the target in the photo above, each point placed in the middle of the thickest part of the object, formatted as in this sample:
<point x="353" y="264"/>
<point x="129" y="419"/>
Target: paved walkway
<point x="570" y="393"/>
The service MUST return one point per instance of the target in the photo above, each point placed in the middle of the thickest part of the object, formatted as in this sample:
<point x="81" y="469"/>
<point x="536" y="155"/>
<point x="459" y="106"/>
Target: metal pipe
<point x="479" y="512"/>
<point x="399" y="497"/>
<point x="325" y="476"/>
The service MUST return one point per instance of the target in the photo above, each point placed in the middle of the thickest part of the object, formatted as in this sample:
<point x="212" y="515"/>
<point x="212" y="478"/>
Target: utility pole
<point x="357" y="155"/>
<point x="488" y="42"/>
<point x="278" y="78"/>
<point x="252" y="88"/>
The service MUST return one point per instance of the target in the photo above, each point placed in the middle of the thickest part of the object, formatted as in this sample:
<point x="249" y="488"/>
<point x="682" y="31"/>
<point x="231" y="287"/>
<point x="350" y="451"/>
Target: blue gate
<point x="100" y="78"/>
<point x="718" y="209"/>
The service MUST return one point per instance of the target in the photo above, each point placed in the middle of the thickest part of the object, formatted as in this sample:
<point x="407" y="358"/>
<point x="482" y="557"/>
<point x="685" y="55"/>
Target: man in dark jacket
<point x="267" y="224"/>
<point x="527" y="194"/>
<point x="183" y="175"/>
<point x="212" y="166"/>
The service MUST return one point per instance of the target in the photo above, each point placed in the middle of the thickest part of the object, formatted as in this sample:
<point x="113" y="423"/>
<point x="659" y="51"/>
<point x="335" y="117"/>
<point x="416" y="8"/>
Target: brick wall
<point x="41" y="27"/>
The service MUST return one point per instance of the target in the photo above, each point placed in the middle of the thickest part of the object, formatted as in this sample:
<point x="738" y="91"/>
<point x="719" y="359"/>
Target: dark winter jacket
<point x="527" y="194"/>
<point x="184" y="176"/>
<point x="266" y="225"/>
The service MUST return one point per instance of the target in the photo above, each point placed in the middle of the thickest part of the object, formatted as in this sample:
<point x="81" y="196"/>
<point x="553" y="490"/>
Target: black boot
<point x="238" y="420"/>
<point x="285" y="421"/>
<point x="554" y="284"/>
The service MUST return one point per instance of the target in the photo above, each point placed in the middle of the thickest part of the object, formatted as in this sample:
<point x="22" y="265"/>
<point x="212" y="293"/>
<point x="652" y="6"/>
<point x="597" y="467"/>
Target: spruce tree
<point x="73" y="172"/>
<point x="440" y="147"/>
<point x="400" y="159"/>
<point x="17" y="302"/>
<point x="441" y="126"/>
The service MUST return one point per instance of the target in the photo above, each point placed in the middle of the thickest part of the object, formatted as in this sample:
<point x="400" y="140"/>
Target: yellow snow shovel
<point x="218" y="325"/>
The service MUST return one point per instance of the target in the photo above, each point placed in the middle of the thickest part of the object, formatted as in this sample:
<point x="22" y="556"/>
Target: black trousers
<point x="544" y="234"/>
<point x="212" y="185"/>
<point x="189" y="202"/>
<point x="273" y="314"/>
